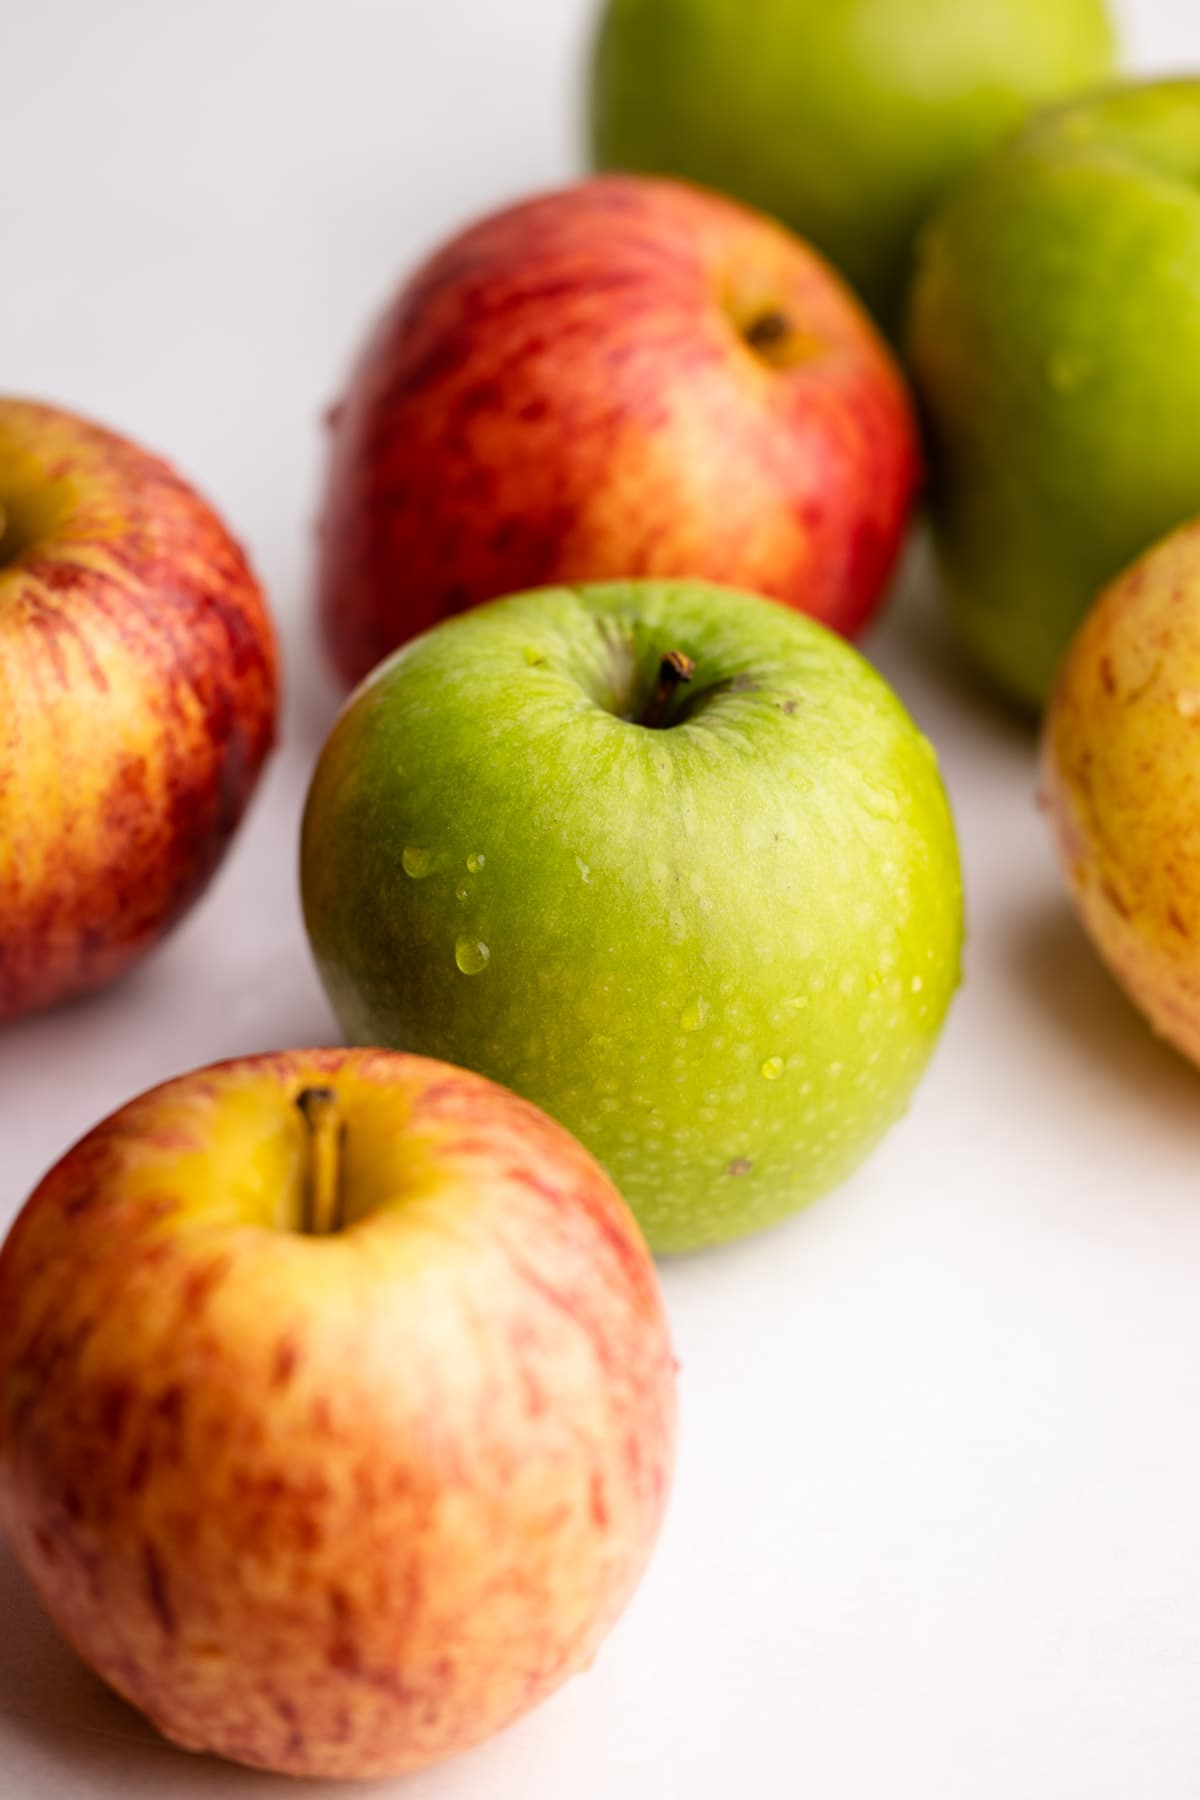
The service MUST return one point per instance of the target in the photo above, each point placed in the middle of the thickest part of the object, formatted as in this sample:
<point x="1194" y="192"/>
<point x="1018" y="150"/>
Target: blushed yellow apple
<point x="1121" y="776"/>
<point x="336" y="1407"/>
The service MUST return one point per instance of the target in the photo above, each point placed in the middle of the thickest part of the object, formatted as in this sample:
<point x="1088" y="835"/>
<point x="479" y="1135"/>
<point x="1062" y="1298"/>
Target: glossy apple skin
<point x="565" y="393"/>
<point x="1121" y="777"/>
<point x="849" y="121"/>
<point x="720" y="952"/>
<point x="332" y="1505"/>
<point x="137" y="702"/>
<point x="1055" y="340"/>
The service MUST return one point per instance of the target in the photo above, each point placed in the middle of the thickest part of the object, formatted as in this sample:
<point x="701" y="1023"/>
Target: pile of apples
<point x="634" y="888"/>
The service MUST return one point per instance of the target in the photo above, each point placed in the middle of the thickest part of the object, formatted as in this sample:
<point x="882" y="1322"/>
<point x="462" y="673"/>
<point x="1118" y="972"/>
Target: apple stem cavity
<point x="674" y="669"/>
<point x="766" y="333"/>
<point x="322" y="1213"/>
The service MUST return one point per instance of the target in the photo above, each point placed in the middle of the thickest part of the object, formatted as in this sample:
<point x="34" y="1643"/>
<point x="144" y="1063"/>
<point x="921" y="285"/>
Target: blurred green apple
<point x="1055" y="338"/>
<point x="671" y="860"/>
<point x="849" y="121"/>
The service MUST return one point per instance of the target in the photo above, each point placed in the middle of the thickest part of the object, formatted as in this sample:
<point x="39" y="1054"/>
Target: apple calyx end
<point x="674" y="669"/>
<point x="322" y="1205"/>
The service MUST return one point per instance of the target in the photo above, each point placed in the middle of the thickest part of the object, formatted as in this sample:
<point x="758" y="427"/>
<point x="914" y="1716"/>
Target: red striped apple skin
<point x="138" y="689"/>
<point x="568" y="392"/>
<point x="343" y="1504"/>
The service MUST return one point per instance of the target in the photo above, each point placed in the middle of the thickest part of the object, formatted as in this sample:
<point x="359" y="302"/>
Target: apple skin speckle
<point x="334" y="1505"/>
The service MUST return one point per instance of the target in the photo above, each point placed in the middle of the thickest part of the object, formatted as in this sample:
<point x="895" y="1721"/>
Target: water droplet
<point x="471" y="955"/>
<point x="417" y="863"/>
<point x="1187" y="703"/>
<point x="476" y="861"/>
<point x="772" y="1069"/>
<point x="695" y="1014"/>
<point x="1067" y="370"/>
<point x="462" y="891"/>
<point x="881" y="803"/>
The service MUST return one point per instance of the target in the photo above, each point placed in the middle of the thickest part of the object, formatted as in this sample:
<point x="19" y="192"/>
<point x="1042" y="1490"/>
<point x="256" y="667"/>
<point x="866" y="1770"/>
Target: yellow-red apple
<point x="336" y="1407"/>
<point x="138" y="689"/>
<point x="628" y="377"/>
<point x="1121" y="776"/>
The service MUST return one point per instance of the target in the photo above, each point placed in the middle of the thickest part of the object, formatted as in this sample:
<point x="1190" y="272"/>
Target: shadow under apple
<point x="78" y="1732"/>
<point x="1054" y="966"/>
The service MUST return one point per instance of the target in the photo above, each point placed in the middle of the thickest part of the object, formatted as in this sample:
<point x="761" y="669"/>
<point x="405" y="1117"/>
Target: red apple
<point x="138" y="680"/>
<point x="629" y="377"/>
<point x="336" y="1407"/>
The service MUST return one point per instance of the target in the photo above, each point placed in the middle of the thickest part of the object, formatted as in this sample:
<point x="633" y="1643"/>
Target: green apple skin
<point x="848" y="121"/>
<point x="719" y="952"/>
<point x="1055" y="339"/>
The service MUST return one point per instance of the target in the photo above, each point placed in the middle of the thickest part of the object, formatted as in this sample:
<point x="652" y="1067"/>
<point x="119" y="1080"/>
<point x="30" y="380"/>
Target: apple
<point x="1121" y="779"/>
<point x="336" y="1408"/>
<point x="625" y="378"/>
<point x="670" y="860"/>
<point x="138" y="675"/>
<point x="849" y="121"/>
<point x="1055" y="338"/>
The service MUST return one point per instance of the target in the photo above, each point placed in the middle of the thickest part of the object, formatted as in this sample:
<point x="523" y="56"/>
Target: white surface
<point x="936" y="1530"/>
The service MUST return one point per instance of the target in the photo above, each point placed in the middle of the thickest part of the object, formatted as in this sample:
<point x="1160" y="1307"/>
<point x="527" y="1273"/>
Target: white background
<point x="936" y="1529"/>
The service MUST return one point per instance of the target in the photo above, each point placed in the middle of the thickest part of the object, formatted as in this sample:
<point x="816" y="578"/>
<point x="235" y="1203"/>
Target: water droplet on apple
<point x="471" y="955"/>
<point x="476" y="861"/>
<point x="881" y="803"/>
<point x="695" y="1014"/>
<point x="417" y="863"/>
<point x="462" y="891"/>
<point x="772" y="1069"/>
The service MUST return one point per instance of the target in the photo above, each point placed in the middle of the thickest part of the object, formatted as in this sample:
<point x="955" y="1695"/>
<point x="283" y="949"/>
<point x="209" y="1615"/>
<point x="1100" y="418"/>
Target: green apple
<point x="849" y="121"/>
<point x="336" y="1408"/>
<point x="668" y="859"/>
<point x="1055" y="338"/>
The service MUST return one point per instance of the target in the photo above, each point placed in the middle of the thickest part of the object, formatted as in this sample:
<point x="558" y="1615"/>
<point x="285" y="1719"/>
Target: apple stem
<point x="674" y="668"/>
<point x="322" y="1198"/>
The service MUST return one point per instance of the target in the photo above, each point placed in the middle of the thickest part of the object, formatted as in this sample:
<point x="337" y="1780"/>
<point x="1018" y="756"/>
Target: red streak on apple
<point x="336" y="1505"/>
<point x="138" y="689"/>
<point x="629" y="377"/>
